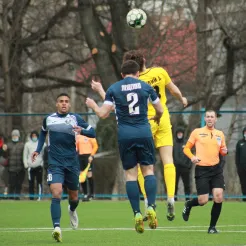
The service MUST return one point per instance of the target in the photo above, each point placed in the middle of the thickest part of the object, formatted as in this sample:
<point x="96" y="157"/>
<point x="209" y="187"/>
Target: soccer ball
<point x="136" y="18"/>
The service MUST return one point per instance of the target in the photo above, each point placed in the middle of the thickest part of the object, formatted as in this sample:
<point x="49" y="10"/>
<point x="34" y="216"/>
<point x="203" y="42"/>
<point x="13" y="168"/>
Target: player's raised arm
<point x="103" y="111"/>
<point x="97" y="86"/>
<point x="174" y="90"/>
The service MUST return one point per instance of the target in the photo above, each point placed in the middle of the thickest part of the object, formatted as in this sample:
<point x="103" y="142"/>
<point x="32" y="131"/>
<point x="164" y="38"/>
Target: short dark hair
<point x="210" y="111"/>
<point x="135" y="55"/>
<point x="129" y="67"/>
<point x="62" y="95"/>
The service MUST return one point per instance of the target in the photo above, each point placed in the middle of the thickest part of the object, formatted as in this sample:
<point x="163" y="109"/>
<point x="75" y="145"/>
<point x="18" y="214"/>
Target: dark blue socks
<point x="55" y="210"/>
<point x="132" y="191"/>
<point x="150" y="189"/>
<point x="73" y="204"/>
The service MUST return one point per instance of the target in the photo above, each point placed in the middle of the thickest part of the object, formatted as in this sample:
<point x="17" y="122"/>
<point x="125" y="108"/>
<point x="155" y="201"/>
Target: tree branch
<point x="45" y="29"/>
<point x="67" y="82"/>
<point x="44" y="88"/>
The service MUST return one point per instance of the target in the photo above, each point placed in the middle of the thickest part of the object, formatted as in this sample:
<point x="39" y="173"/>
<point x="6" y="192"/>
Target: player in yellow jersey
<point x="159" y="79"/>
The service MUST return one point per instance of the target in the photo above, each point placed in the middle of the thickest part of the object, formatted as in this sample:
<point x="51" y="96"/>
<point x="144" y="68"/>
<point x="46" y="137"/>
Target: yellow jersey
<point x="158" y="78"/>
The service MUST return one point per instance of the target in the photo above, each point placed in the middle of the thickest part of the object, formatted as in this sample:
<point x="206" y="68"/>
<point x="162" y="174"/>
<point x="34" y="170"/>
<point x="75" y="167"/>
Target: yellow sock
<point x="170" y="179"/>
<point x="141" y="182"/>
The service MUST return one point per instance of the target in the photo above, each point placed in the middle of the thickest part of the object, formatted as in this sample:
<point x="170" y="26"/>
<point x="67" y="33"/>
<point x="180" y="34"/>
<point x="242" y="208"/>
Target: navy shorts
<point x="208" y="178"/>
<point x="67" y="175"/>
<point x="138" y="150"/>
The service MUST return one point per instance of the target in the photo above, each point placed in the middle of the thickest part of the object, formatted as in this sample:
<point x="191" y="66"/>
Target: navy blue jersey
<point x="131" y="97"/>
<point x="61" y="137"/>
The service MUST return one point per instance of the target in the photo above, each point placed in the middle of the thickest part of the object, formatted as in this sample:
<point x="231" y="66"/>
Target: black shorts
<point x="83" y="161"/>
<point x="209" y="177"/>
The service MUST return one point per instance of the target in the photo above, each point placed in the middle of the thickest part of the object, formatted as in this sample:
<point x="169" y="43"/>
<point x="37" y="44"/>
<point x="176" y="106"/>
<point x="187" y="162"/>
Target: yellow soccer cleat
<point x="57" y="235"/>
<point x="152" y="217"/>
<point x="139" y="224"/>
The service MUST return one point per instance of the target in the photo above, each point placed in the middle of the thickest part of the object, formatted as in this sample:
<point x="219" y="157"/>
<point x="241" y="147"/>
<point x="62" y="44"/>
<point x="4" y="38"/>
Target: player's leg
<point x="146" y="158"/>
<point x="164" y="142"/>
<point x="72" y="182"/>
<point x="217" y="185"/>
<point x="202" y="177"/>
<point x="55" y="210"/>
<point x="141" y="186"/>
<point x="55" y="180"/>
<point x="129" y="163"/>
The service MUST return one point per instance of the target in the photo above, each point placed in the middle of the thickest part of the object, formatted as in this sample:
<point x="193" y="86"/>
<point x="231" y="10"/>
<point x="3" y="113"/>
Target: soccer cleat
<point x="170" y="211"/>
<point x="145" y="218"/>
<point x="212" y="230"/>
<point x="139" y="225"/>
<point x="152" y="217"/>
<point x="74" y="220"/>
<point x="57" y="235"/>
<point x="186" y="212"/>
<point x="85" y="198"/>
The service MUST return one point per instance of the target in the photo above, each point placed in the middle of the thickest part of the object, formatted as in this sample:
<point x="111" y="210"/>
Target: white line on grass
<point x="174" y="229"/>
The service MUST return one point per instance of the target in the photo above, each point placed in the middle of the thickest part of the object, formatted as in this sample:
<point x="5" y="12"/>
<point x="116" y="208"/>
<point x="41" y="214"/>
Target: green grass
<point x="29" y="223"/>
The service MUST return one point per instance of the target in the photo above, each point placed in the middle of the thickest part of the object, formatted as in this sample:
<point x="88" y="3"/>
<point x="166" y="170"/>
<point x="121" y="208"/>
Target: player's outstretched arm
<point x="174" y="90"/>
<point x="97" y="86"/>
<point x="102" y="112"/>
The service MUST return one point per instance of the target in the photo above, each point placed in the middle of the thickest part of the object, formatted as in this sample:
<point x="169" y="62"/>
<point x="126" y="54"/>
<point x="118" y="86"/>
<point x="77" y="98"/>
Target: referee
<point x="209" y="143"/>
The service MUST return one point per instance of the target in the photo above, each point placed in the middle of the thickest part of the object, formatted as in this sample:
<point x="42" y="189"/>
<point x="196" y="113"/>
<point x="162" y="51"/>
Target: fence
<point x="105" y="166"/>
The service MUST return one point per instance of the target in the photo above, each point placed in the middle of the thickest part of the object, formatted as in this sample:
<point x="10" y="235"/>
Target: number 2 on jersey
<point x="133" y="109"/>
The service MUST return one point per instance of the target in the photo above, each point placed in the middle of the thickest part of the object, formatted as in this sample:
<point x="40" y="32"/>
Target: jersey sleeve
<point x="109" y="100"/>
<point x="44" y="125"/>
<point x="87" y="129"/>
<point x="166" y="76"/>
<point x="42" y="136"/>
<point x="192" y="138"/>
<point x="153" y="96"/>
<point x="223" y="143"/>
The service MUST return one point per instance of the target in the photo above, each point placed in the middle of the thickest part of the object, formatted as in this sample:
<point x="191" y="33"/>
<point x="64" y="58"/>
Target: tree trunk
<point x="98" y="41"/>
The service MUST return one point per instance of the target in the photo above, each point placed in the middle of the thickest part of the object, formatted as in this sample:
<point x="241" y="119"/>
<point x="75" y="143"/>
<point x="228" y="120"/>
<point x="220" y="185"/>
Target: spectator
<point x="35" y="169"/>
<point x="182" y="163"/>
<point x="4" y="164"/>
<point x="86" y="148"/>
<point x="16" y="167"/>
<point x="241" y="162"/>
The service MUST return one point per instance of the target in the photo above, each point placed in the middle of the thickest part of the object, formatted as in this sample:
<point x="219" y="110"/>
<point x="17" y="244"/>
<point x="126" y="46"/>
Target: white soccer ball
<point x="136" y="18"/>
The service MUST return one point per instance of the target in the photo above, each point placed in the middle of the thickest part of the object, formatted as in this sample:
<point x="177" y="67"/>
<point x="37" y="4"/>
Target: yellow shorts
<point x="162" y="133"/>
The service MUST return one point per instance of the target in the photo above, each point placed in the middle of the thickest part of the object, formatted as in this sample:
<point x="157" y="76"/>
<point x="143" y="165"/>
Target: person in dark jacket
<point x="16" y="166"/>
<point x="4" y="164"/>
<point x="241" y="162"/>
<point x="182" y="162"/>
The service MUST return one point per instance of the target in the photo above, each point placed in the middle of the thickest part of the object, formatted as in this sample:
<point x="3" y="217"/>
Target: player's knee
<point x="147" y="170"/>
<point x="218" y="198"/>
<point x="56" y="193"/>
<point x="202" y="200"/>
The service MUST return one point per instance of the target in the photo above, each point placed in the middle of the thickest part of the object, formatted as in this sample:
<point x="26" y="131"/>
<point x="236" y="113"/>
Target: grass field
<point x="111" y="223"/>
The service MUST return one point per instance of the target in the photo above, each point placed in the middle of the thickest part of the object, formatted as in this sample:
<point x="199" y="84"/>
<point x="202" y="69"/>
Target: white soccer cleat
<point x="57" y="235"/>
<point x="74" y="220"/>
